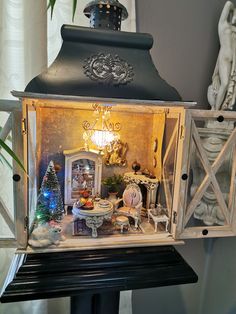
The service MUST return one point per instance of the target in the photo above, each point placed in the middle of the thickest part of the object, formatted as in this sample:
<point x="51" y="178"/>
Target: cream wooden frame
<point x="119" y="105"/>
<point x="183" y="215"/>
<point x="16" y="225"/>
<point x="169" y="198"/>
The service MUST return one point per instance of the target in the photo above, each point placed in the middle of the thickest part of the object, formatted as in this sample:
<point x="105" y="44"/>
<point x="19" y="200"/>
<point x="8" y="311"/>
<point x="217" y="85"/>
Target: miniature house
<point x="94" y="115"/>
<point x="191" y="170"/>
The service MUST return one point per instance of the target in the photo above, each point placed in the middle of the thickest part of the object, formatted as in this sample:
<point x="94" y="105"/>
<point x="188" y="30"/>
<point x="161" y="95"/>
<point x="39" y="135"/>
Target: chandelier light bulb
<point x="101" y="132"/>
<point x="101" y="138"/>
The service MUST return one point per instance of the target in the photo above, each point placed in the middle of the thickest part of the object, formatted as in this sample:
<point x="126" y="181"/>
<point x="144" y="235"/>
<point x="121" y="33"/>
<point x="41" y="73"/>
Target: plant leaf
<point x="74" y="9"/>
<point x="12" y="154"/>
<point x="3" y="158"/>
<point x="51" y="5"/>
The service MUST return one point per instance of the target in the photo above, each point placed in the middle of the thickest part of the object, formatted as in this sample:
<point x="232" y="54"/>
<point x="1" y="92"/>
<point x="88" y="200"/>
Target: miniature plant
<point x="113" y="183"/>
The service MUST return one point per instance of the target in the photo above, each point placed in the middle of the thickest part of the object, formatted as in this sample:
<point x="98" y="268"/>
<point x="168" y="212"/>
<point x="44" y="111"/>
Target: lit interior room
<point x="117" y="156"/>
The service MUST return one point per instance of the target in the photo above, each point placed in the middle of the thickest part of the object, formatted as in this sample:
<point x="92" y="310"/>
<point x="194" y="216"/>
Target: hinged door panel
<point x="30" y="152"/>
<point x="170" y="156"/>
<point x="170" y="149"/>
<point x="12" y="204"/>
<point x="207" y="176"/>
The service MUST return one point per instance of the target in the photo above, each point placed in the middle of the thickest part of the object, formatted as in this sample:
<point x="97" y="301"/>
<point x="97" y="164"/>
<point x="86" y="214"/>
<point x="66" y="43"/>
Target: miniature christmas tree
<point x="49" y="205"/>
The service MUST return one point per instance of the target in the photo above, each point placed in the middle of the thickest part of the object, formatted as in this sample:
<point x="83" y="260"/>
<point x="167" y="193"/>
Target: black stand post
<point x="100" y="303"/>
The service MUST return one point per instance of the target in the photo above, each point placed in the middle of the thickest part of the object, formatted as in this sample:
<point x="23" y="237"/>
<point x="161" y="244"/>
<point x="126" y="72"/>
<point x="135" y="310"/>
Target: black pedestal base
<point x="63" y="274"/>
<point x="100" y="303"/>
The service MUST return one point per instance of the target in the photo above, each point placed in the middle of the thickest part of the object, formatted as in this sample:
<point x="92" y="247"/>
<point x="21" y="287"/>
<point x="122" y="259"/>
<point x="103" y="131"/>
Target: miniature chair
<point x="122" y="221"/>
<point x="132" y="201"/>
<point x="158" y="214"/>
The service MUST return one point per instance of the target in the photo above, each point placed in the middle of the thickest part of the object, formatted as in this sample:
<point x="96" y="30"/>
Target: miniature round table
<point x="95" y="217"/>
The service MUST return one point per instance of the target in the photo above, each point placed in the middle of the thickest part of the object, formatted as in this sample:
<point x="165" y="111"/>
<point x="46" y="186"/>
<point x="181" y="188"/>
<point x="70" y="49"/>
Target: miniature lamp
<point x="102" y="131"/>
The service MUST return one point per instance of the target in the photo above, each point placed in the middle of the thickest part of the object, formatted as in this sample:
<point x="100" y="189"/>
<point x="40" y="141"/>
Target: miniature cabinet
<point x="83" y="169"/>
<point x="190" y="155"/>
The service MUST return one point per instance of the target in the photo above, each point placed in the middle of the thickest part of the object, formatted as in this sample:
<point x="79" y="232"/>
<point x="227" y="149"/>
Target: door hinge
<point x="182" y="131"/>
<point x="175" y="218"/>
<point x="23" y="126"/>
<point x="26" y="223"/>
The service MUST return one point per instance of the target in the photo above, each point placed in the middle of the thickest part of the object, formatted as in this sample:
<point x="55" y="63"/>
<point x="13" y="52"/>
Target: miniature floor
<point x="109" y="228"/>
<point x="109" y="236"/>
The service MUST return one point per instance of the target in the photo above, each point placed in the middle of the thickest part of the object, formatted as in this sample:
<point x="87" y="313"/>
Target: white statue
<point x="222" y="91"/>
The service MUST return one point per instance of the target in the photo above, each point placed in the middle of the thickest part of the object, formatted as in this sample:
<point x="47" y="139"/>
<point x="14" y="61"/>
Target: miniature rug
<point x="107" y="228"/>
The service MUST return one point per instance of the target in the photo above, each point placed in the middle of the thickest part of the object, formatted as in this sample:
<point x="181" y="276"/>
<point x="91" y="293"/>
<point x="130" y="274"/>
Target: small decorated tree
<point x="49" y="205"/>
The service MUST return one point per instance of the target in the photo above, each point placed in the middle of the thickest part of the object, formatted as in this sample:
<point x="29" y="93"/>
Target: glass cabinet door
<point x="207" y="198"/>
<point x="82" y="177"/>
<point x="83" y="171"/>
<point x="12" y="206"/>
<point x="32" y="163"/>
<point x="169" y="159"/>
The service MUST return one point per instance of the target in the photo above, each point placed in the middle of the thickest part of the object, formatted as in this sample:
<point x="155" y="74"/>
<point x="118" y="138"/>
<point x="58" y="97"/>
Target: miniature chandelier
<point x="102" y="131"/>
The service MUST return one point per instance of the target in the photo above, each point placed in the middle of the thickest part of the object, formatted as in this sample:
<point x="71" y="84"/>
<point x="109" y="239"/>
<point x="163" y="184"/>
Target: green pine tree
<point x="49" y="205"/>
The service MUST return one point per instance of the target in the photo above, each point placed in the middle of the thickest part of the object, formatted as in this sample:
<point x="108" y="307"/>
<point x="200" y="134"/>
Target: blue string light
<point x="46" y="194"/>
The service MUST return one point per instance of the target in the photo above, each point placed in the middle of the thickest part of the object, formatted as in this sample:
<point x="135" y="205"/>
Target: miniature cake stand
<point x="95" y="217"/>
